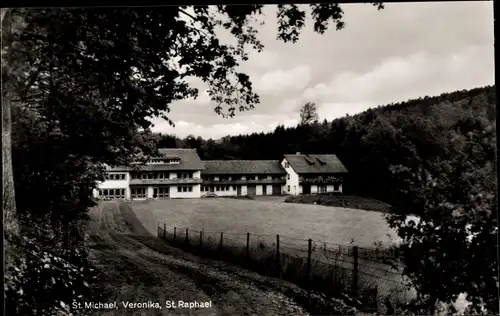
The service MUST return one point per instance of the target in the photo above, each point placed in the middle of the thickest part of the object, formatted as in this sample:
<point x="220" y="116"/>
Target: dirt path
<point x="136" y="273"/>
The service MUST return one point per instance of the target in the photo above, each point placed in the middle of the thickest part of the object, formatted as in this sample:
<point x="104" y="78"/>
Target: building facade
<point x="180" y="173"/>
<point x="313" y="174"/>
<point x="243" y="177"/>
<point x="177" y="174"/>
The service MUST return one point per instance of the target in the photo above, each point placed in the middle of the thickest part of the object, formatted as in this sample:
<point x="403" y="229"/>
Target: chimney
<point x="297" y="153"/>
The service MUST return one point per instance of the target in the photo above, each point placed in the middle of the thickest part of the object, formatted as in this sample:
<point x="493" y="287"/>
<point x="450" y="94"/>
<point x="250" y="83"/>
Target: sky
<point x="406" y="51"/>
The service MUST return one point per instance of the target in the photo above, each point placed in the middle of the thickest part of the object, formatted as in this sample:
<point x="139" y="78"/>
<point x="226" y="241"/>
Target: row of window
<point x="116" y="176"/>
<point x="160" y="176"/>
<point x="138" y="193"/>
<point x="141" y="192"/>
<point x="185" y="188"/>
<point x="161" y="192"/>
<point x="184" y="175"/>
<point x="321" y="188"/>
<point x="160" y="161"/>
<point x="212" y="188"/>
<point x="261" y="177"/>
<point x="112" y="193"/>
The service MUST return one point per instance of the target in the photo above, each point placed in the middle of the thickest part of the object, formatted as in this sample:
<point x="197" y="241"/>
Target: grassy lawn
<point x="350" y="201"/>
<point x="295" y="223"/>
<point x="302" y="221"/>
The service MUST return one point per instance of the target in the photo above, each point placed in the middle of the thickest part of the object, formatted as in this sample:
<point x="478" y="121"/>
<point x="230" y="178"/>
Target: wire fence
<point x="370" y="278"/>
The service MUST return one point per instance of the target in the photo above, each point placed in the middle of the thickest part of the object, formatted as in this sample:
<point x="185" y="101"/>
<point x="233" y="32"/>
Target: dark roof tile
<point x="302" y="163"/>
<point x="242" y="167"/>
<point x="189" y="161"/>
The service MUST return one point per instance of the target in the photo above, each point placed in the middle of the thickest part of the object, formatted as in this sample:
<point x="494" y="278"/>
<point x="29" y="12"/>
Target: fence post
<point x="355" y="272"/>
<point x="309" y="267"/>
<point x="248" y="245"/>
<point x="221" y="239"/>
<point x="158" y="230"/>
<point x="164" y="230"/>
<point x="335" y="271"/>
<point x="331" y="279"/>
<point x="278" y="259"/>
<point x="175" y="233"/>
<point x="187" y="239"/>
<point x="201" y="240"/>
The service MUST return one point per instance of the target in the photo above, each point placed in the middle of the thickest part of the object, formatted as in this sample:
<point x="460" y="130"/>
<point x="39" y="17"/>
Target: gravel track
<point x="135" y="272"/>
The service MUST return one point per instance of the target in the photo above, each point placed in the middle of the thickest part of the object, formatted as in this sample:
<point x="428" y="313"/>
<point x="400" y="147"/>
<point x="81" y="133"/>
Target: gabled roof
<point x="303" y="163"/>
<point x="242" y="167"/>
<point x="189" y="160"/>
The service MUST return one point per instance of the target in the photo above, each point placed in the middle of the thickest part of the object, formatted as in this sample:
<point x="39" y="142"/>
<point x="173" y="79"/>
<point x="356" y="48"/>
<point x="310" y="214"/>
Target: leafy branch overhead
<point x="105" y="71"/>
<point x="138" y="58"/>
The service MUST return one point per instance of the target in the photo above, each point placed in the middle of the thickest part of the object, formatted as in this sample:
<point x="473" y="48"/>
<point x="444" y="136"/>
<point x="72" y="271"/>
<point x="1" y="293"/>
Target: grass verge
<point x="324" y="281"/>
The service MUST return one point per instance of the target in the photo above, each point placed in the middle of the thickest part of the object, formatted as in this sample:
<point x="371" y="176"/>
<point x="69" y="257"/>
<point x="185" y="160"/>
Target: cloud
<point x="236" y="126"/>
<point x="288" y="105"/>
<point x="289" y="123"/>
<point x="215" y="131"/>
<point x="279" y="81"/>
<point x="407" y="50"/>
<point x="400" y="78"/>
<point x="264" y="60"/>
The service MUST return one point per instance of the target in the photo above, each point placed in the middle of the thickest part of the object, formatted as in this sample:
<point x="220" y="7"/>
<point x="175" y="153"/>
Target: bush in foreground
<point x="41" y="283"/>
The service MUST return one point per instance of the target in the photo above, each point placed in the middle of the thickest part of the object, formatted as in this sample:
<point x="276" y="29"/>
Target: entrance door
<point x="264" y="189"/>
<point x="306" y="189"/>
<point x="276" y="189"/>
<point x="238" y="190"/>
<point x="251" y="190"/>
<point x="138" y="193"/>
<point x="321" y="189"/>
<point x="161" y="192"/>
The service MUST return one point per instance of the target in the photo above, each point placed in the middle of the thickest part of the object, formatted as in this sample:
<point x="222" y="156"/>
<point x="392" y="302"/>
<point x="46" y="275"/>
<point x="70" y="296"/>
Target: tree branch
<point x="194" y="19"/>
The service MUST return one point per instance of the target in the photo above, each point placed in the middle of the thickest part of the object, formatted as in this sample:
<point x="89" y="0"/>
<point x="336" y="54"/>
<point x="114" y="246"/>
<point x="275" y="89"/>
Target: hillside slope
<point x="371" y="144"/>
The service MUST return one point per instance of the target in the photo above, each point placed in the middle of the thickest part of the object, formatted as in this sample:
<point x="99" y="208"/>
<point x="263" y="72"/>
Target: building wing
<point x="228" y="167"/>
<point x="317" y="164"/>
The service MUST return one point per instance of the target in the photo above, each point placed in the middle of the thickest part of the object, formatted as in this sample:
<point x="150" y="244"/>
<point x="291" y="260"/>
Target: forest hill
<point x="383" y="147"/>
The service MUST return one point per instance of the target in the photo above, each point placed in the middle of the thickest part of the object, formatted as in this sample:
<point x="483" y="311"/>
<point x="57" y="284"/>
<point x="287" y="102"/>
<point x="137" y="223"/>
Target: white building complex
<point x="180" y="173"/>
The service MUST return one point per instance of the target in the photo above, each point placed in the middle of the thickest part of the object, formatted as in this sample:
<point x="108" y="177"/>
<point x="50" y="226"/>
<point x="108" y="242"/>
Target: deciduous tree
<point x="308" y="113"/>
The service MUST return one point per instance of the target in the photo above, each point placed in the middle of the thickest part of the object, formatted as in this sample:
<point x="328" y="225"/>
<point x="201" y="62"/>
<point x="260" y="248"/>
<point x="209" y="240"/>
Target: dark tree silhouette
<point x="308" y="113"/>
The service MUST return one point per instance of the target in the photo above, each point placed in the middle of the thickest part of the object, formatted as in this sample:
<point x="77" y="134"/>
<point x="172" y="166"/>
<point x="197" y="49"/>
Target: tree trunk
<point x="10" y="225"/>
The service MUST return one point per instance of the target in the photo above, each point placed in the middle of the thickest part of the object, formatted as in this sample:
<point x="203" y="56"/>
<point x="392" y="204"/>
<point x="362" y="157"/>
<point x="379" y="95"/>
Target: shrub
<point x="41" y="283"/>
